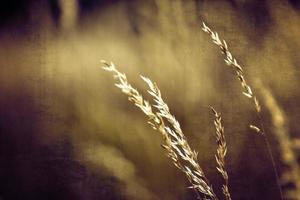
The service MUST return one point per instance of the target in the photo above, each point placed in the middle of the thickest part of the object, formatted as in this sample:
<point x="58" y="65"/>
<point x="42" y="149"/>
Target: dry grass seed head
<point x="221" y="152"/>
<point x="175" y="143"/>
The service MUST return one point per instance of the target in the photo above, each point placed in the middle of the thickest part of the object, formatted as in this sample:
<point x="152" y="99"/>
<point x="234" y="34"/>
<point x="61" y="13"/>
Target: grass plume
<point x="221" y="152"/>
<point x="175" y="143"/>
<point x="230" y="60"/>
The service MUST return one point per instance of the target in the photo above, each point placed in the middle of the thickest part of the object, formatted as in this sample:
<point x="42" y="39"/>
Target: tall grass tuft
<point x="175" y="142"/>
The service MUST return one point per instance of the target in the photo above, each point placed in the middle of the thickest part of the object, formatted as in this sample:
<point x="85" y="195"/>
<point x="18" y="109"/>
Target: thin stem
<point x="266" y="140"/>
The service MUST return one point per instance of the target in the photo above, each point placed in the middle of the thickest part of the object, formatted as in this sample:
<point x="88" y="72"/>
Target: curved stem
<point x="266" y="140"/>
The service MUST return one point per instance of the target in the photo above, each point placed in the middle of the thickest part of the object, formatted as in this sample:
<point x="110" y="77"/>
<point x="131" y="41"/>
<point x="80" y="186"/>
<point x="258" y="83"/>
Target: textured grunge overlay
<point x="217" y="80"/>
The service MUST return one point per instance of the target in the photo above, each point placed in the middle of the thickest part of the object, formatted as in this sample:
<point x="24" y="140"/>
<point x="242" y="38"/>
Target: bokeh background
<point x="67" y="133"/>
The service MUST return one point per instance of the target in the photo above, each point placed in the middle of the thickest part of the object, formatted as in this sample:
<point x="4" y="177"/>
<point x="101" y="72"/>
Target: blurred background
<point x="66" y="132"/>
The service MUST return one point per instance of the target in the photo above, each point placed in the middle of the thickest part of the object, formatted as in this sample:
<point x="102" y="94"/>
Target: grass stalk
<point x="175" y="142"/>
<point x="247" y="91"/>
<point x="221" y="152"/>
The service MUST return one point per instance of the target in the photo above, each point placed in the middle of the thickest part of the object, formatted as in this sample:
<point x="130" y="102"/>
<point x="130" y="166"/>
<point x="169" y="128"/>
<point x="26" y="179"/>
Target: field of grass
<point x="66" y="132"/>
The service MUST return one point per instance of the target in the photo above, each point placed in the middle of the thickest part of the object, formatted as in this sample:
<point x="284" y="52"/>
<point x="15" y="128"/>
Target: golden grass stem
<point x="230" y="60"/>
<point x="221" y="152"/>
<point x="175" y="142"/>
